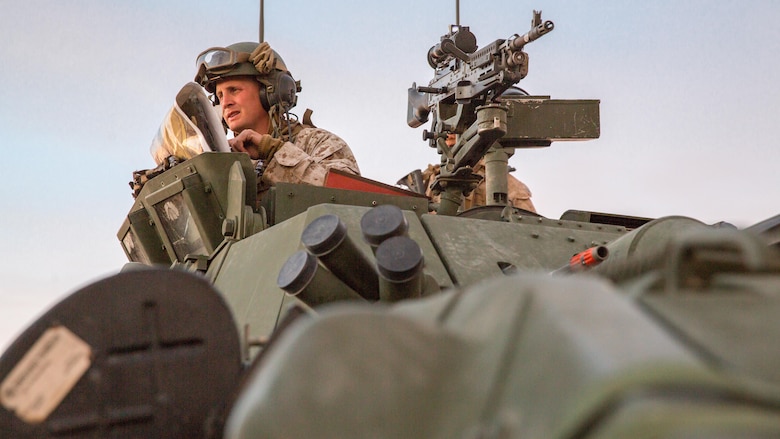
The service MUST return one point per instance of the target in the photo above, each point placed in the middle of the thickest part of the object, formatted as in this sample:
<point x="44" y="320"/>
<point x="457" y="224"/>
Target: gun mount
<point x="470" y="97"/>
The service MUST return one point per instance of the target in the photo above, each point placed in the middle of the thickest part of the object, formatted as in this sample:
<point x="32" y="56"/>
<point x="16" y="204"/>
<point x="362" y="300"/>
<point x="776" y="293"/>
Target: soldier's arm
<point x="308" y="160"/>
<point x="519" y="194"/>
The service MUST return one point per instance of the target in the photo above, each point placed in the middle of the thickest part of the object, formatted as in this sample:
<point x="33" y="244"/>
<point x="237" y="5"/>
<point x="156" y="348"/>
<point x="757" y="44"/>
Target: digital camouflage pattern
<point x="307" y="159"/>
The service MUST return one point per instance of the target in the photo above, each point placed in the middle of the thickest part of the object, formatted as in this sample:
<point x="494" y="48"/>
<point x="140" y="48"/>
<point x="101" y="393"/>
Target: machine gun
<point x="467" y="98"/>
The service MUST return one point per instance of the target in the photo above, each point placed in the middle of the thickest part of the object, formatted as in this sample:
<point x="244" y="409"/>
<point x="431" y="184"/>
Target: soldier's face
<point x="450" y="140"/>
<point x="241" y="107"/>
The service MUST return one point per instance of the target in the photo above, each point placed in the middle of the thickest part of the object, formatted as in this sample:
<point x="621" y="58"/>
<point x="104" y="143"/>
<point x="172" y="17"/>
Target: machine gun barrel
<point x="518" y="42"/>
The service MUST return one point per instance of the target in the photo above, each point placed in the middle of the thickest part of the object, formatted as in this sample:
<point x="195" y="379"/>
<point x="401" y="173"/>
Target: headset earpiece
<point x="278" y="89"/>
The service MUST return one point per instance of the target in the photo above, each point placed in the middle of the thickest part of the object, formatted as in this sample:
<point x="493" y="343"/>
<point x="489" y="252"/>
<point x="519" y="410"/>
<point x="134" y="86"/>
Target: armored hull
<point x="359" y="309"/>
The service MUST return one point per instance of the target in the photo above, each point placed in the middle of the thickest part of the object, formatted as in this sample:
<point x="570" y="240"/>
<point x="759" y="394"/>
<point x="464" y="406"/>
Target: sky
<point x="689" y="108"/>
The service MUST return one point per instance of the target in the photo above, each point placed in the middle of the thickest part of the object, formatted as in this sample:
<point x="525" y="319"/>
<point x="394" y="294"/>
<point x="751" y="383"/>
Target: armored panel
<point x="718" y="324"/>
<point x="287" y="200"/>
<point x="516" y="357"/>
<point x="768" y="230"/>
<point x="627" y="221"/>
<point x="139" y="238"/>
<point x="187" y="216"/>
<point x="474" y="249"/>
<point x="247" y="273"/>
<point x="214" y="168"/>
<point x="180" y="211"/>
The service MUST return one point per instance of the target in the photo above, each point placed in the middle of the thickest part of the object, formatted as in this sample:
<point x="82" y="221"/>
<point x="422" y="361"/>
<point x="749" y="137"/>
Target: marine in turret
<point x="255" y="90"/>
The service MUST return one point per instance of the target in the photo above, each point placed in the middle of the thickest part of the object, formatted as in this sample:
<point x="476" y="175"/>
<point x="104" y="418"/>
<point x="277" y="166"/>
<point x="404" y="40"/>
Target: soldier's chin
<point x="235" y="127"/>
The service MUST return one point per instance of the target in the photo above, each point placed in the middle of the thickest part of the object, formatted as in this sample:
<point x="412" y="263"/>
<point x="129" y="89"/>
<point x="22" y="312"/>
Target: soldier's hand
<point x="258" y="146"/>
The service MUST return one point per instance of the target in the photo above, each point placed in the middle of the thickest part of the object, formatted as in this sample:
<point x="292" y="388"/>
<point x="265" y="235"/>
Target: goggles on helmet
<point x="219" y="59"/>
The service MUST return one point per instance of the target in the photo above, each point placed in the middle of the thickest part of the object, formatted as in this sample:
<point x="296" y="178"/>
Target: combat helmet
<point x="277" y="86"/>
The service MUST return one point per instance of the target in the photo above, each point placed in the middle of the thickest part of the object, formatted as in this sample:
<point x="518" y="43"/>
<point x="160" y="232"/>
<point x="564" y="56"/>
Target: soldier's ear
<point x="278" y="88"/>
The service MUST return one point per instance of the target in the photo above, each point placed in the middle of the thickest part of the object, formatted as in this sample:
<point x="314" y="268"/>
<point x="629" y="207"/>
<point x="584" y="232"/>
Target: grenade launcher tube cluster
<point x="333" y="267"/>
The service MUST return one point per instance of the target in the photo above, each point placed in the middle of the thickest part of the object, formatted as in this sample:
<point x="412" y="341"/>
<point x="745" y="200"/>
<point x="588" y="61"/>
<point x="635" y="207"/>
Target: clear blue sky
<point x="689" y="108"/>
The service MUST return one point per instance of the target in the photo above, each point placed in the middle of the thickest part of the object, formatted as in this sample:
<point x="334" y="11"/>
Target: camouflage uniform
<point x="307" y="159"/>
<point x="311" y="153"/>
<point x="518" y="193"/>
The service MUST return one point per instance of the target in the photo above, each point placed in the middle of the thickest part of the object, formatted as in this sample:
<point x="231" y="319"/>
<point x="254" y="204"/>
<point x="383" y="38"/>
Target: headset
<point x="278" y="88"/>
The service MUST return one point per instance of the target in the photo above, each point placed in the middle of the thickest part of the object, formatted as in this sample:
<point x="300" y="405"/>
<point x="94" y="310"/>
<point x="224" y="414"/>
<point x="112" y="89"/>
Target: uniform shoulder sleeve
<point x="308" y="159"/>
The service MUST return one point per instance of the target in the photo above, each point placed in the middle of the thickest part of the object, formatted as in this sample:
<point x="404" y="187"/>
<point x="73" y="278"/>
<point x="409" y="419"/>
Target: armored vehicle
<point x="361" y="309"/>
